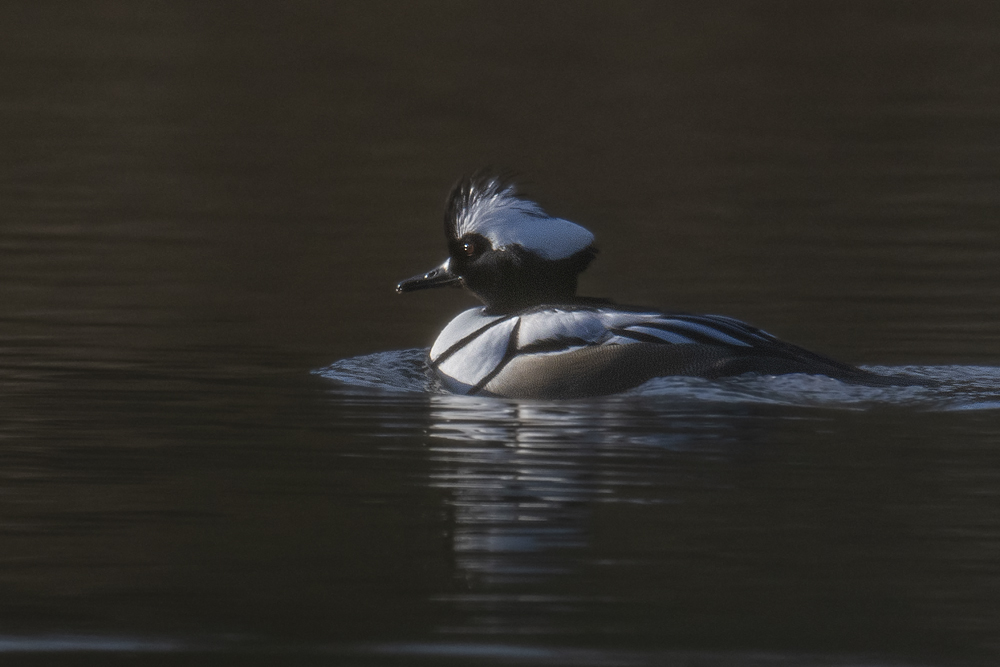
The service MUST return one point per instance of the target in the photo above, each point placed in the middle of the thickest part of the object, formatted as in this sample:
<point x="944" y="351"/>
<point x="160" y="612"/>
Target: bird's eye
<point x="469" y="248"/>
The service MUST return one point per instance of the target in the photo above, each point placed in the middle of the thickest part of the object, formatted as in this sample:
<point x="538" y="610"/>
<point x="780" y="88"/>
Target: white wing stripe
<point x="706" y="331"/>
<point x="667" y="336"/>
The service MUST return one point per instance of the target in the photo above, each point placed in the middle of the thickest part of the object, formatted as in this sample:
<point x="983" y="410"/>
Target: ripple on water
<point x="955" y="388"/>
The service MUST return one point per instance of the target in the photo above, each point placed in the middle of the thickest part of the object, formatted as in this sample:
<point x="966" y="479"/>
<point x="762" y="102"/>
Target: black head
<point x="506" y="249"/>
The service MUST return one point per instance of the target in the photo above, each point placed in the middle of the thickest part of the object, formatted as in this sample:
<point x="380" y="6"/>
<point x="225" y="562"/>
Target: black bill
<point x="437" y="277"/>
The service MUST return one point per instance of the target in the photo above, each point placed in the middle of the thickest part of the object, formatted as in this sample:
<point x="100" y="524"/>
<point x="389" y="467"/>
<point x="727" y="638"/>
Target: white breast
<point x="476" y="360"/>
<point x="466" y="323"/>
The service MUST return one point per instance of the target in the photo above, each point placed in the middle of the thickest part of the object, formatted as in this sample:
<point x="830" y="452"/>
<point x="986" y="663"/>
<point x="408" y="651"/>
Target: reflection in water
<point x="512" y="502"/>
<point x="523" y="474"/>
<point x="46" y="644"/>
<point x="523" y="477"/>
<point x="688" y="496"/>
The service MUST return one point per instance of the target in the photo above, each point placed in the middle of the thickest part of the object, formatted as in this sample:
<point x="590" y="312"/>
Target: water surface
<point x="217" y="443"/>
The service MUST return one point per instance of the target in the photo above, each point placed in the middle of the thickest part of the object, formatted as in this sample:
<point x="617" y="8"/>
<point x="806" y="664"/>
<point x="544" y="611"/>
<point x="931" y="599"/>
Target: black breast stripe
<point x="465" y="341"/>
<point x="507" y="356"/>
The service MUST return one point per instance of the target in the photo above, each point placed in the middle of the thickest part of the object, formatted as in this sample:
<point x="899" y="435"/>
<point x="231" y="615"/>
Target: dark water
<point x="204" y="203"/>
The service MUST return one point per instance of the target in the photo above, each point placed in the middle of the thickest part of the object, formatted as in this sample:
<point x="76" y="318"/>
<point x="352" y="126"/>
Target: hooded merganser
<point x="535" y="338"/>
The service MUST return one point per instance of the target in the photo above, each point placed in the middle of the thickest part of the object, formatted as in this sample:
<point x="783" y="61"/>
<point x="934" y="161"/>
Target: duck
<point x="533" y="337"/>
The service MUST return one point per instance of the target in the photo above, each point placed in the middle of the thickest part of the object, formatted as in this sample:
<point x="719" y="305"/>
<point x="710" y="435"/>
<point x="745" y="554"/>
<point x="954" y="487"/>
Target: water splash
<point x="955" y="388"/>
<point x="395" y="371"/>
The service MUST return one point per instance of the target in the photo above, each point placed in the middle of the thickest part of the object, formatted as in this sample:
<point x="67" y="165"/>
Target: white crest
<point x="493" y="209"/>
